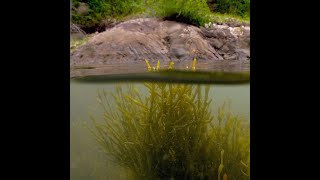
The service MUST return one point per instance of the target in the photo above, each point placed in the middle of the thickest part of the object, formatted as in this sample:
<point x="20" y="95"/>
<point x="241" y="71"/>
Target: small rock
<point x="216" y="43"/>
<point x="221" y="34"/>
<point x="243" y="54"/>
<point x="178" y="52"/>
<point x="246" y="31"/>
<point x="231" y="57"/>
<point x="208" y="34"/>
<point x="225" y="48"/>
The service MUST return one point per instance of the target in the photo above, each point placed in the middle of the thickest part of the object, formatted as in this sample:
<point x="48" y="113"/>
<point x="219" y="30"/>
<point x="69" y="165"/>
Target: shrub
<point x="237" y="7"/>
<point x="103" y="9"/>
<point x="194" y="12"/>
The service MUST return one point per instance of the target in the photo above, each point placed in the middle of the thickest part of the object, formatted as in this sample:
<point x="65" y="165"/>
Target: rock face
<point x="154" y="39"/>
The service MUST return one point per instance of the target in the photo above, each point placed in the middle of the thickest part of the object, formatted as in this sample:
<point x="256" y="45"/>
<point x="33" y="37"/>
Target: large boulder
<point x="155" y="39"/>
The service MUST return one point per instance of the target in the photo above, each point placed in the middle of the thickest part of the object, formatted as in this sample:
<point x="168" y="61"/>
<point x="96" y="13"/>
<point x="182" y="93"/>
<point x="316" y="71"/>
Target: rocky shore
<point x="155" y="39"/>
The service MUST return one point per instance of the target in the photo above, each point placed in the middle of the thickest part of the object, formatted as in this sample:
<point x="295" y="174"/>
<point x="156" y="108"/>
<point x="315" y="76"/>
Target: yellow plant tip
<point x="194" y="63"/>
<point x="171" y="65"/>
<point x="148" y="65"/>
<point x="158" y="65"/>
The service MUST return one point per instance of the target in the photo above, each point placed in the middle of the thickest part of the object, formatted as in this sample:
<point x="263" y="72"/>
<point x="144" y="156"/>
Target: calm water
<point x="135" y="67"/>
<point x="159" y="131"/>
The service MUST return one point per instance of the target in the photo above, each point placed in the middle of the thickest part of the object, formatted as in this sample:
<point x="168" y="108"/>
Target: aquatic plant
<point x="172" y="132"/>
<point x="171" y="65"/>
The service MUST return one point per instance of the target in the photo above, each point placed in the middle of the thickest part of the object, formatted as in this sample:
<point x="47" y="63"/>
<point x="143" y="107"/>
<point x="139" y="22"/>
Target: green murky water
<point x="159" y="130"/>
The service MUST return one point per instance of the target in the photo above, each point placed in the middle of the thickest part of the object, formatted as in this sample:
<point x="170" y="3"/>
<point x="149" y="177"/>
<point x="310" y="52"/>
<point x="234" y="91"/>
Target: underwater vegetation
<point x="171" y="132"/>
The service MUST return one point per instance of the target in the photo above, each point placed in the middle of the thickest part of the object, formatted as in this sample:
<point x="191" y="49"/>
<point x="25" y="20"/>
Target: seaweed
<point x="171" y="132"/>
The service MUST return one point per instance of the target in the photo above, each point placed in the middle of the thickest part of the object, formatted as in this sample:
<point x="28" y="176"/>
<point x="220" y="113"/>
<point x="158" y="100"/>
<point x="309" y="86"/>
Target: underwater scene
<point x="160" y="128"/>
<point x="160" y="90"/>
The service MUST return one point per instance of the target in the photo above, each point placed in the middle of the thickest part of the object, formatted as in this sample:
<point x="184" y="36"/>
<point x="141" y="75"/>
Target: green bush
<point x="237" y="7"/>
<point x="103" y="9"/>
<point x="194" y="12"/>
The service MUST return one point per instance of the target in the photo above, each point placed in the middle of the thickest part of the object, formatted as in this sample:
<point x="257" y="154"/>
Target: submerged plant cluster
<point x="171" y="132"/>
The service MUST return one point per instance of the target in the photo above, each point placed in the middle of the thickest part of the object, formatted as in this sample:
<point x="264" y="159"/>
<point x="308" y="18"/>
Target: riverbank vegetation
<point x="92" y="14"/>
<point x="76" y="42"/>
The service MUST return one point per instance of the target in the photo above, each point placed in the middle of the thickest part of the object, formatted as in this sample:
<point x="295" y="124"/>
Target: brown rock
<point x="154" y="39"/>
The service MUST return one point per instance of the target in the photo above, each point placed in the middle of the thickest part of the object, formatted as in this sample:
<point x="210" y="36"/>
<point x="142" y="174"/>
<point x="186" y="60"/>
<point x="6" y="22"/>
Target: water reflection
<point x="163" y="131"/>
<point x="140" y="67"/>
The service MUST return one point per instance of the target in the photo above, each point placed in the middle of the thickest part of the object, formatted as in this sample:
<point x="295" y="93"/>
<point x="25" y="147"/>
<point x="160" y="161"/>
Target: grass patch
<point x="229" y="19"/>
<point x="75" y="43"/>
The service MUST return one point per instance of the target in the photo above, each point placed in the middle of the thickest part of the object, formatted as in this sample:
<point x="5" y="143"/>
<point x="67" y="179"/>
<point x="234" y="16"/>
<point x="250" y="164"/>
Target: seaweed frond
<point x="170" y="131"/>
